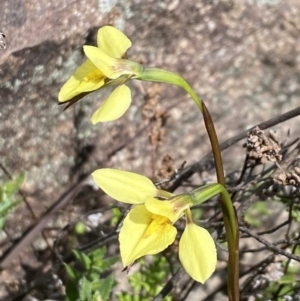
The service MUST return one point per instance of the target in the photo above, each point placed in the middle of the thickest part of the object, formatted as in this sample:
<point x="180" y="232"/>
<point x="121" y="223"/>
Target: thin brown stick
<point x="207" y="159"/>
<point x="270" y="245"/>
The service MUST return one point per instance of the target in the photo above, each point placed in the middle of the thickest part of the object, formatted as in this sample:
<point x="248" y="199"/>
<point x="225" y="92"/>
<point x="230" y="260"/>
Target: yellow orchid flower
<point x="104" y="67"/>
<point x="148" y="228"/>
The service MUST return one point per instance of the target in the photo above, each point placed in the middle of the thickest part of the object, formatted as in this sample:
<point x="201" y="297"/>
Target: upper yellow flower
<point x="104" y="67"/>
<point x="148" y="228"/>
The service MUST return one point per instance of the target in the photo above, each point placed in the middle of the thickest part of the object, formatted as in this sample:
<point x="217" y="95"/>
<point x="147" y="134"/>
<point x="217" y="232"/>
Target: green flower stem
<point x="163" y="76"/>
<point x="202" y="194"/>
<point x="230" y="220"/>
<point x="160" y="75"/>
<point x="229" y="214"/>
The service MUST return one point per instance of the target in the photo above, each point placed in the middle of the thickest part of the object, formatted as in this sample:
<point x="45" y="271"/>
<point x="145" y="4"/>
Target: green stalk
<point x="204" y="193"/>
<point x="163" y="76"/>
<point x="229" y="216"/>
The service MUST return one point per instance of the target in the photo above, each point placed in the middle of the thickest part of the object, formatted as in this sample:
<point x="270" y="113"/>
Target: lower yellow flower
<point x="148" y="228"/>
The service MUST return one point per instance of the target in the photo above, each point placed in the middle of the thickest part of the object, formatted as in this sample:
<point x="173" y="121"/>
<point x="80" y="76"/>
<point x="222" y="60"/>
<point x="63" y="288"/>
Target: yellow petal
<point x="197" y="252"/>
<point x="86" y="78"/>
<point x="112" y="41"/>
<point x="164" y="208"/>
<point x="114" y="106"/>
<point x="144" y="234"/>
<point x="124" y="186"/>
<point x="113" y="68"/>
